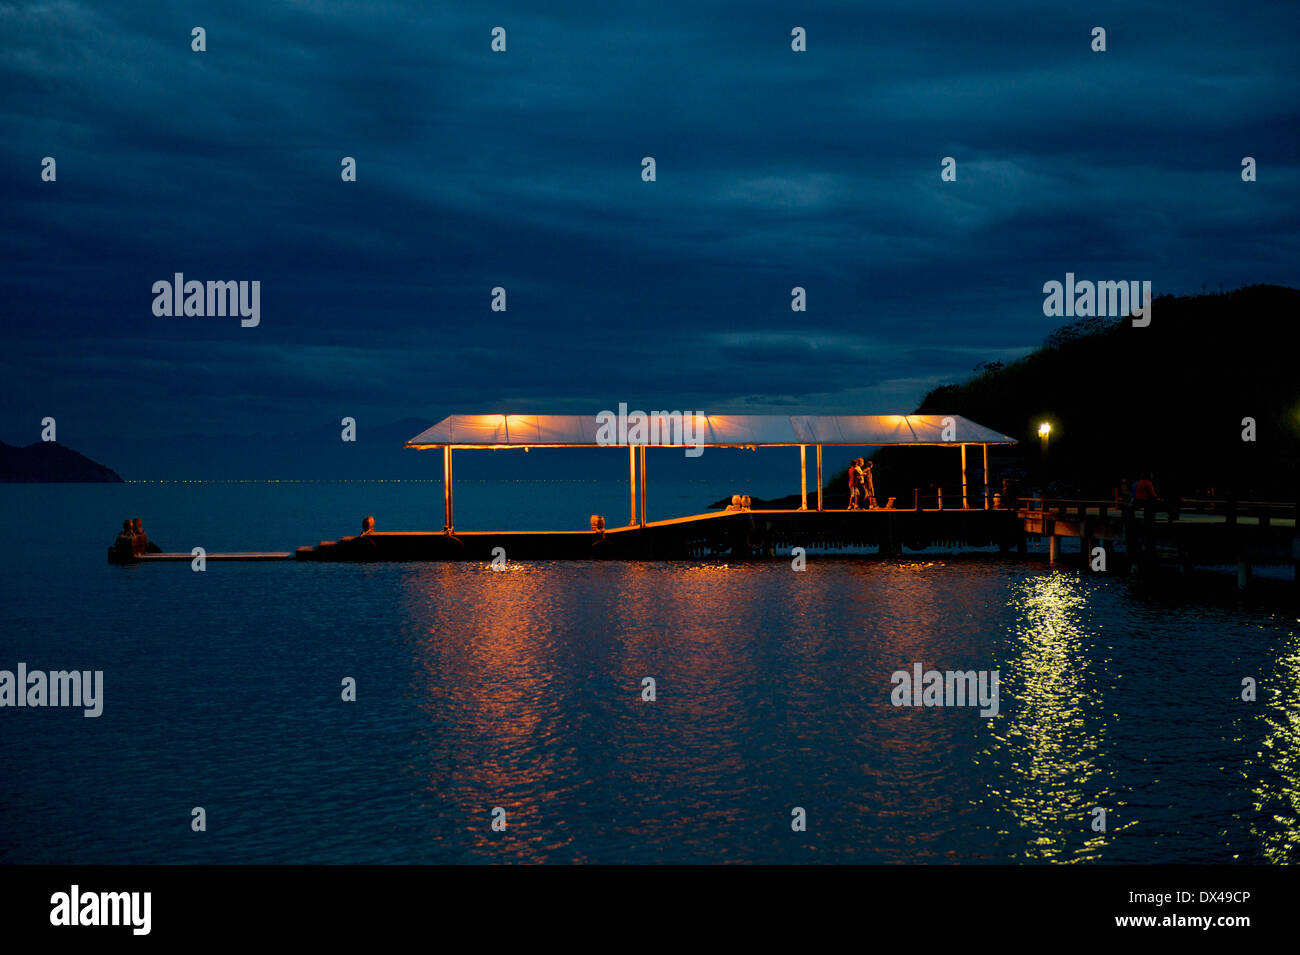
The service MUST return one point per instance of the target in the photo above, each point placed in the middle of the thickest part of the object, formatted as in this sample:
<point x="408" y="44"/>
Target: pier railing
<point x="1190" y="531"/>
<point x="974" y="497"/>
<point x="1262" y="512"/>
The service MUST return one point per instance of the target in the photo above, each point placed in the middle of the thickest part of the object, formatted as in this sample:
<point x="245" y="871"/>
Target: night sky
<point x="522" y="169"/>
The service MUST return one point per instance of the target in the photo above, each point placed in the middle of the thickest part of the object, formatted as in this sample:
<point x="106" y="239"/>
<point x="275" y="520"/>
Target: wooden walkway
<point x="722" y="534"/>
<point x="237" y="555"/>
<point x="1197" y="533"/>
<point x="1244" y="533"/>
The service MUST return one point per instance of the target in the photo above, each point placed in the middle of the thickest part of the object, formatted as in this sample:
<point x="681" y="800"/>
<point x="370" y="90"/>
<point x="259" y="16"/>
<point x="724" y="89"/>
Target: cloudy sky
<point x="522" y="169"/>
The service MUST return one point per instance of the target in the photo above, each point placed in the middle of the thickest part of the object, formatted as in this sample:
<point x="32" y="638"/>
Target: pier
<point x="1113" y="536"/>
<point x="1180" y="534"/>
<point x="734" y="535"/>
<point x="1134" y="539"/>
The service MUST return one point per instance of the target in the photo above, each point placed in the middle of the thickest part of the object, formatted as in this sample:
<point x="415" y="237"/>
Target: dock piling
<point x="803" y="477"/>
<point x="964" y="502"/>
<point x="643" y="485"/>
<point x="819" y="477"/>
<point x="986" y="477"/>
<point x="446" y="490"/>
<point x="631" y="481"/>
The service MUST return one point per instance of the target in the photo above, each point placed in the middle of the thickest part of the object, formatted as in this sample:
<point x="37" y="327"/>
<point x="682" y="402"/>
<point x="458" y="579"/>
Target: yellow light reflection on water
<point x="1275" y="767"/>
<point x="1050" y="742"/>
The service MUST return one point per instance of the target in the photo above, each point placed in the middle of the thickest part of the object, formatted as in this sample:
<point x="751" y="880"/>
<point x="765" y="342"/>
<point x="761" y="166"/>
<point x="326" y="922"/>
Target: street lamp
<point x="1044" y="431"/>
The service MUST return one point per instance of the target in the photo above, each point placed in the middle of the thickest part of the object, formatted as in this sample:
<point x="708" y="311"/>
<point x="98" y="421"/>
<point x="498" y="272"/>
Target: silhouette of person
<point x="1144" y="492"/>
<point x="124" y="546"/>
<point x="367" y="526"/>
<point x="869" y="486"/>
<point x="141" y="539"/>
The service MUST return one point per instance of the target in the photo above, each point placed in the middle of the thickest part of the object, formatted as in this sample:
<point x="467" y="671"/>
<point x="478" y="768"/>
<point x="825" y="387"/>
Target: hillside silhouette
<point x="48" y="461"/>
<point x="1168" y="398"/>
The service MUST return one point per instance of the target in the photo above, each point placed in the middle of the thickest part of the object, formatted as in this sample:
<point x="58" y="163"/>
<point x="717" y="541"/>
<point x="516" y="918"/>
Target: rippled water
<point x="521" y="689"/>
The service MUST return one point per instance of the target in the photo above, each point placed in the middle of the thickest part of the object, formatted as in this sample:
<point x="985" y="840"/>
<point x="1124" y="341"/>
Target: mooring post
<point x="1130" y="535"/>
<point x="941" y="499"/>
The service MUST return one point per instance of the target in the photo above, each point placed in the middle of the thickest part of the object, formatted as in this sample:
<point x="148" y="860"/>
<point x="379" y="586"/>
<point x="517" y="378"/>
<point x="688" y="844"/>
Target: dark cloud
<point x="522" y="170"/>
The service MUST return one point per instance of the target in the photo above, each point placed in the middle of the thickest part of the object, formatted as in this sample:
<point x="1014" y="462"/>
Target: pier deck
<point x="238" y="555"/>
<point x="717" y="534"/>
<point x="1246" y="533"/>
<point x="729" y="534"/>
<point x="1198" y="533"/>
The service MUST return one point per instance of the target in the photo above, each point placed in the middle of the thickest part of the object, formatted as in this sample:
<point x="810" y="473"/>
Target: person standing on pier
<point x="868" y="486"/>
<point x="140" y="540"/>
<point x="854" y="487"/>
<point x="124" y="546"/>
<point x="1144" y="492"/>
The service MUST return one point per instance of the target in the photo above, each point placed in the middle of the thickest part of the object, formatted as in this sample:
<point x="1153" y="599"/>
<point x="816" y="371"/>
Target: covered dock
<point x="497" y="432"/>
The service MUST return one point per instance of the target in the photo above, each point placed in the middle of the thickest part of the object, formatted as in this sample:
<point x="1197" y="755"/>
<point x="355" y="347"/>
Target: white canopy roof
<point x="574" y="431"/>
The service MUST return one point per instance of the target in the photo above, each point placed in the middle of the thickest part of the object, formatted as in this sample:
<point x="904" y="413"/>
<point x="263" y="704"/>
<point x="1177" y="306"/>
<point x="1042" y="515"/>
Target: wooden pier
<point x="727" y="534"/>
<point x="1145" y="539"/>
<point x="1183" y="534"/>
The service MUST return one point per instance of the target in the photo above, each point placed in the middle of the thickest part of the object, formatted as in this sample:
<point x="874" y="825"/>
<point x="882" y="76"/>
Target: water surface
<point x="521" y="689"/>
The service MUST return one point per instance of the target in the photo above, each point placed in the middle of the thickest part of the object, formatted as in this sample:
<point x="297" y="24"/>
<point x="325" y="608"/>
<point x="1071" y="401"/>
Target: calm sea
<point x="521" y="689"/>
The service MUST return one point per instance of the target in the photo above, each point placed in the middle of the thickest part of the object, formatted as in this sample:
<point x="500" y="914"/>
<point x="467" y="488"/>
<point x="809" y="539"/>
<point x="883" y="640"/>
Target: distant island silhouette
<point x="1169" y="399"/>
<point x="51" y="462"/>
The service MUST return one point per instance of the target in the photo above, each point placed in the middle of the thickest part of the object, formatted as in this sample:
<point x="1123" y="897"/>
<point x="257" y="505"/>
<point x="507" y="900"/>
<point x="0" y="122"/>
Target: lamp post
<point x="1044" y="432"/>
